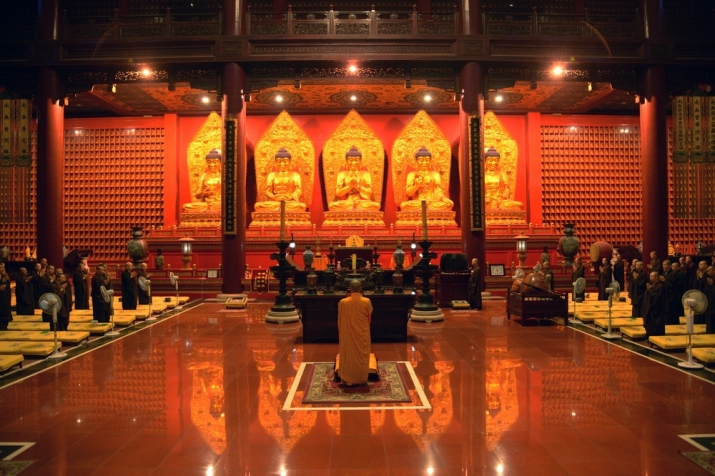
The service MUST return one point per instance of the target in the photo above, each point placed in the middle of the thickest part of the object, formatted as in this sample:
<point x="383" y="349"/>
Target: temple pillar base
<point x="427" y="316"/>
<point x="276" y="317"/>
<point x="434" y="217"/>
<point x="273" y="219"/>
<point x="199" y="219"/>
<point x="354" y="218"/>
<point x="499" y="216"/>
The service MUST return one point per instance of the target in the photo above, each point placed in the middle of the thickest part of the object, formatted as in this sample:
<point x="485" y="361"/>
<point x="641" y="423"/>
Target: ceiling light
<point x="499" y="98"/>
<point x="352" y="68"/>
<point x="146" y="72"/>
<point x="205" y="99"/>
<point x="557" y="71"/>
<point x="428" y="98"/>
<point x="353" y="98"/>
<point x="572" y="128"/>
<point x="279" y="98"/>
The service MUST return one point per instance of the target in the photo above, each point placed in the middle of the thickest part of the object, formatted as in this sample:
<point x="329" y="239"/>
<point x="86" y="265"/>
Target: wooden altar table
<point x="319" y="314"/>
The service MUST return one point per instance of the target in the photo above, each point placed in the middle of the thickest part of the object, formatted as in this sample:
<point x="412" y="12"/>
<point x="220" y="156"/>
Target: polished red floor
<point x="201" y="394"/>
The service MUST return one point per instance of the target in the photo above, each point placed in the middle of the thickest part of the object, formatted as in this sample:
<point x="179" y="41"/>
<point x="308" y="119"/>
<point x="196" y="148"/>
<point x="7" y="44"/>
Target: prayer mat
<point x="321" y="388"/>
<point x="704" y="459"/>
<point x="11" y="468"/>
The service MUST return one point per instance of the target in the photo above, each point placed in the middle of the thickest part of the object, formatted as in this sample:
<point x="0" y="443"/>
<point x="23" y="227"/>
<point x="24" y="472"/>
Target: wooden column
<point x="50" y="146"/>
<point x="653" y="17"/>
<point x="233" y="252"/>
<point x="472" y="82"/>
<point x="232" y="11"/>
<point x="654" y="161"/>
<point x="50" y="166"/>
<point x="471" y="11"/>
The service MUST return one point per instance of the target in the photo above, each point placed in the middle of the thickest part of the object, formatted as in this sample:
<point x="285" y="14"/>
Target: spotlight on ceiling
<point x="352" y="68"/>
<point x="279" y="98"/>
<point x="557" y="71"/>
<point x="353" y="98"/>
<point x="427" y="98"/>
<point x="205" y="99"/>
<point x="146" y="72"/>
<point x="499" y="98"/>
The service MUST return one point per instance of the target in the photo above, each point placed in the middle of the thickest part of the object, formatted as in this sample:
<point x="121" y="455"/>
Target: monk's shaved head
<point x="355" y="286"/>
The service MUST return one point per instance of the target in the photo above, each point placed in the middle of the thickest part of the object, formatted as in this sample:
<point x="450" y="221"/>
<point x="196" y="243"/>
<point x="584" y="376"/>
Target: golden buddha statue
<point x="282" y="184"/>
<point x="353" y="188"/>
<point x="207" y="195"/>
<point x="497" y="192"/>
<point x="425" y="184"/>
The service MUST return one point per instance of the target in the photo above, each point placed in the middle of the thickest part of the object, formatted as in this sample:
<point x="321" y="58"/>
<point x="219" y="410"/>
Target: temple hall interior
<point x="524" y="191"/>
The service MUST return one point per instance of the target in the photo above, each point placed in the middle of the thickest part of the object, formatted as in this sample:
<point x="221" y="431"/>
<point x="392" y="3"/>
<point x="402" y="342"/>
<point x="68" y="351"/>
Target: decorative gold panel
<point x="353" y="131"/>
<point x="495" y="135"/>
<point x="284" y="132"/>
<point x="420" y="132"/>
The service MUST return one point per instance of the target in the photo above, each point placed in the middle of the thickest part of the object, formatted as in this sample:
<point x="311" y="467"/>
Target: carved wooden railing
<point x="140" y="26"/>
<point x="333" y="22"/>
<point x="569" y="25"/>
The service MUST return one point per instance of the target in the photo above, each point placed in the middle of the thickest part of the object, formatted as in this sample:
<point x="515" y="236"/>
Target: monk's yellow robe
<point x="354" y="338"/>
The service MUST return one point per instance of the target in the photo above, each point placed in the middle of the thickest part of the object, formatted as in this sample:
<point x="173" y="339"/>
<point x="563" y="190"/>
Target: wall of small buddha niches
<point x="114" y="180"/>
<point x="691" y="201"/>
<point x="18" y="216"/>
<point x="591" y="176"/>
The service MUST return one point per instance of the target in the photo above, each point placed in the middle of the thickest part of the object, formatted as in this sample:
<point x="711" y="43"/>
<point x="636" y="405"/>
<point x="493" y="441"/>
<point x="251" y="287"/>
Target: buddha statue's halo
<point x="285" y="133"/>
<point x="420" y="133"/>
<point x="353" y="131"/>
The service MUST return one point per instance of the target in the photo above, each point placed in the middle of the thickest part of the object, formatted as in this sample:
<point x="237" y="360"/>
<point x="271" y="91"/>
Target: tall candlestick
<point x="354" y="262"/>
<point x="424" y="220"/>
<point x="283" y="220"/>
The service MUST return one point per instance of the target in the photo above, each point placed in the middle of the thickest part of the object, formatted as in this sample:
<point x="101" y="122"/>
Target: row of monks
<point x="45" y="278"/>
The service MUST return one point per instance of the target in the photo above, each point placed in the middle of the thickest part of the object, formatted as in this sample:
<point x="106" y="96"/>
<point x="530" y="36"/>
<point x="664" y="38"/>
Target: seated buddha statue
<point x="497" y="192"/>
<point x="207" y="195"/>
<point x="424" y="184"/>
<point x="353" y="189"/>
<point x="282" y="184"/>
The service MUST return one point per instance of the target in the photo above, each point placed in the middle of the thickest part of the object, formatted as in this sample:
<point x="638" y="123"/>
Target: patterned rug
<point x="11" y="468"/>
<point x="704" y="459"/>
<point x="321" y="388"/>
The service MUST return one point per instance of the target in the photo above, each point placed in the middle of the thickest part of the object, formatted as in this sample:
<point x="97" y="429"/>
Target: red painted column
<point x="654" y="161"/>
<point x="232" y="10"/>
<point x="50" y="166"/>
<point x="233" y="252"/>
<point x="472" y="81"/>
<point x="471" y="12"/>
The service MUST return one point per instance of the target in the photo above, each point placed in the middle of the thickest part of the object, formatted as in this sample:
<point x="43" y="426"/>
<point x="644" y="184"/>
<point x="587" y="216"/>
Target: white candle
<point x="283" y="220"/>
<point x="424" y="220"/>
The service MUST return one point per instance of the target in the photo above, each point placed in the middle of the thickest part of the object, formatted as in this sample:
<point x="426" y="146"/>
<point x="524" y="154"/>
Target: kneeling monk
<point x="354" y="336"/>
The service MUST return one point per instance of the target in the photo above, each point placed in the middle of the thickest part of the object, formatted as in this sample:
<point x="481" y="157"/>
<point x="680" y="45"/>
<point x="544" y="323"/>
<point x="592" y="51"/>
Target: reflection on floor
<point x="202" y="393"/>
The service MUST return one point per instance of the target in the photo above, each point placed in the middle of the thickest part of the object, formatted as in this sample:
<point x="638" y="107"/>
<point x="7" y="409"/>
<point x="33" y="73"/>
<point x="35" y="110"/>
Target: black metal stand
<point x="283" y="309"/>
<point x="426" y="310"/>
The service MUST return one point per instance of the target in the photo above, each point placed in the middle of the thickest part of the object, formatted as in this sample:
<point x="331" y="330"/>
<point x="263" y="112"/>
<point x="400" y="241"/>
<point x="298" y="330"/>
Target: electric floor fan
<point x="696" y="303"/>
<point x="174" y="281"/>
<point x="579" y="286"/>
<point x="614" y="291"/>
<point x="51" y="302"/>
<point x="145" y="285"/>
<point x="108" y="296"/>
